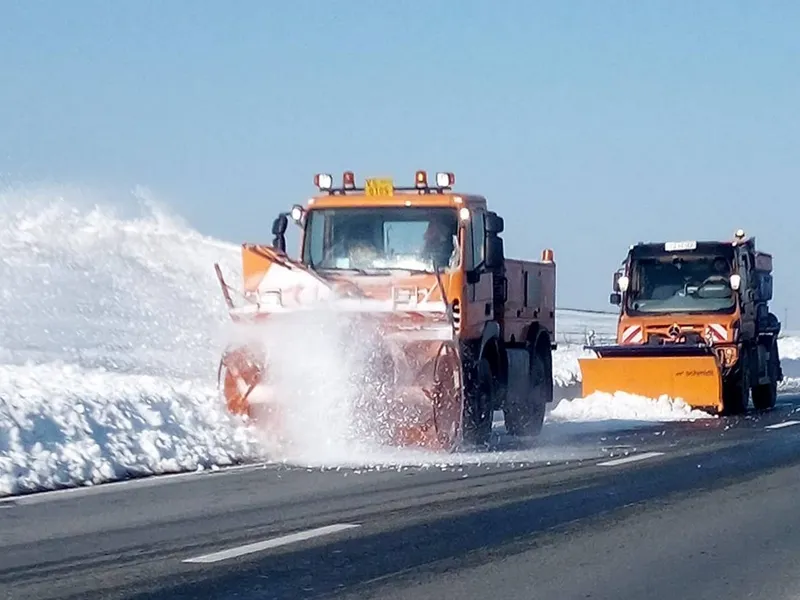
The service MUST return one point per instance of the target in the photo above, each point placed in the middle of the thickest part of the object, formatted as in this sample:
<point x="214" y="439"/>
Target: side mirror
<point x="615" y="285"/>
<point x="615" y="298"/>
<point x="494" y="223"/>
<point x="765" y="286"/>
<point x="280" y="224"/>
<point x="493" y="258"/>
<point x="279" y="243"/>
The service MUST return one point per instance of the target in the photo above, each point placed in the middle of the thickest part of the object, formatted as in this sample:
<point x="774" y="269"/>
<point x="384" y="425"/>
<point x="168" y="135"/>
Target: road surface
<point x="686" y="510"/>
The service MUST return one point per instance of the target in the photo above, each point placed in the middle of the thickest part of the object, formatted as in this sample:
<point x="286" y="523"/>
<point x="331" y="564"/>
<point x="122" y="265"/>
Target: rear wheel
<point x="765" y="395"/>
<point x="479" y="402"/>
<point x="527" y="418"/>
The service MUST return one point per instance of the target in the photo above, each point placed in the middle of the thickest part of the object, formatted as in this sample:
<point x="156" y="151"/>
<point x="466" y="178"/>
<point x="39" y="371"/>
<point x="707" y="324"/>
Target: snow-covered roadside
<point x="64" y="425"/>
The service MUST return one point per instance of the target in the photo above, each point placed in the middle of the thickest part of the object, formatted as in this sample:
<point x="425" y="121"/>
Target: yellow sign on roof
<point x="379" y="187"/>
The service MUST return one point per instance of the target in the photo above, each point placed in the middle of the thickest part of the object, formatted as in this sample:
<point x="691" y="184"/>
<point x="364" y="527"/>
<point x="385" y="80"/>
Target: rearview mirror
<point x="280" y="224"/>
<point x="494" y="253"/>
<point x="494" y="223"/>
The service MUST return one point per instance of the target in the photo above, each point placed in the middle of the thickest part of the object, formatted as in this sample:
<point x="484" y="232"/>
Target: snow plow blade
<point x="681" y="371"/>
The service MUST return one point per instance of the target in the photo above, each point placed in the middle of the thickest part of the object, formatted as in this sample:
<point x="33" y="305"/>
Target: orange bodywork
<point x="423" y="316"/>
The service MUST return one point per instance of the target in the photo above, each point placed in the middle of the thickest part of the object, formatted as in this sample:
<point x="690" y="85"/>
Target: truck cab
<point x="424" y="245"/>
<point x="708" y="293"/>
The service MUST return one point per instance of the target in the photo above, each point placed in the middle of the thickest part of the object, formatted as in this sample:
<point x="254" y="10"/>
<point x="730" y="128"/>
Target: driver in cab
<point x="439" y="244"/>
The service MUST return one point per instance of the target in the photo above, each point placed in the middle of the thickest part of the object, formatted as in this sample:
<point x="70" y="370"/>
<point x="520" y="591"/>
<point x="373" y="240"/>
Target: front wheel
<point x="480" y="397"/>
<point x="736" y="389"/>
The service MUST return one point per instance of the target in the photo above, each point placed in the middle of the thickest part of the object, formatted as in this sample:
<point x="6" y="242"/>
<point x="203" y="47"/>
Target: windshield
<point x="681" y="284"/>
<point x="408" y="238"/>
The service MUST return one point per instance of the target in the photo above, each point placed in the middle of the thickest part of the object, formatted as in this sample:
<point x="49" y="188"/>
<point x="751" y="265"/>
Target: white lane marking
<point x="782" y="425"/>
<point x="136" y="482"/>
<point x="270" y="543"/>
<point x="629" y="459"/>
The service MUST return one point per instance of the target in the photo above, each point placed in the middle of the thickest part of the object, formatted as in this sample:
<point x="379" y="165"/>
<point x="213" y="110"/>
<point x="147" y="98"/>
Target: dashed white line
<point x="629" y="459"/>
<point x="782" y="425"/>
<point x="270" y="543"/>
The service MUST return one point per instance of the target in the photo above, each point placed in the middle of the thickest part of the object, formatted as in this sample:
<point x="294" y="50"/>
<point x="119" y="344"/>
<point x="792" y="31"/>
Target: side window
<point x="478" y="236"/>
<point x="314" y="238"/>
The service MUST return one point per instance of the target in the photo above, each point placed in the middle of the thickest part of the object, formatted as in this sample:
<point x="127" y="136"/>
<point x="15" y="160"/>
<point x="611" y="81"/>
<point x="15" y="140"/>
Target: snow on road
<point x="625" y="407"/>
<point x="112" y="324"/>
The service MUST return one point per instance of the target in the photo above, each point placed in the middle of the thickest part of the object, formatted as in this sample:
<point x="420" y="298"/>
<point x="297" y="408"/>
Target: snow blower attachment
<point x="694" y="325"/>
<point x="413" y="356"/>
<point x="417" y="276"/>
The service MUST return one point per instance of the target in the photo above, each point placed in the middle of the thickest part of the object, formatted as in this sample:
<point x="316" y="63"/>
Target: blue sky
<point x="589" y="125"/>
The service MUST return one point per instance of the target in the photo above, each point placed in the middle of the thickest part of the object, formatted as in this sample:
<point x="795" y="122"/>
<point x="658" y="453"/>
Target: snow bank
<point x="111" y="330"/>
<point x="63" y="425"/>
<point x="789" y="347"/>
<point x="572" y="330"/>
<point x="566" y="371"/>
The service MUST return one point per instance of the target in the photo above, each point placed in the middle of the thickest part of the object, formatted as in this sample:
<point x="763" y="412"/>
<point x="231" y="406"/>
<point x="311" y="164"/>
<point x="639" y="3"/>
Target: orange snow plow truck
<point x="694" y="324"/>
<point x="462" y="330"/>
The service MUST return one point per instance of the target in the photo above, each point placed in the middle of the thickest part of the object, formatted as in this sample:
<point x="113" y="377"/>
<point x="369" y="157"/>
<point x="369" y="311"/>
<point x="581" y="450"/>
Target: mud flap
<point x="687" y="372"/>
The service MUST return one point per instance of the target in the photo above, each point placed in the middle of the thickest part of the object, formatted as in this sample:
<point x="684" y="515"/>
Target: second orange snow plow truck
<point x="463" y="330"/>
<point x="694" y="324"/>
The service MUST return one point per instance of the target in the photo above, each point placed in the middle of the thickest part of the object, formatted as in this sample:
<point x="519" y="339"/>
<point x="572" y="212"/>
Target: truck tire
<point x="735" y="389"/>
<point x="527" y="418"/>
<point x="480" y="397"/>
<point x="765" y="395"/>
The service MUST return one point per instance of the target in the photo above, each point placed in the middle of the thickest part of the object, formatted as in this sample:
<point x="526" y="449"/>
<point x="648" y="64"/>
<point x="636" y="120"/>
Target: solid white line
<point x="782" y="425"/>
<point x="270" y="543"/>
<point x="629" y="459"/>
<point x="144" y="481"/>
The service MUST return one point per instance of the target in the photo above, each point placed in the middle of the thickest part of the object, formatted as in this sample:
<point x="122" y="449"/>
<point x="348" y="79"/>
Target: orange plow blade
<point x="691" y="374"/>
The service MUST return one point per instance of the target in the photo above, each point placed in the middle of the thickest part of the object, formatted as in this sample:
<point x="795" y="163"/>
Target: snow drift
<point x="109" y="346"/>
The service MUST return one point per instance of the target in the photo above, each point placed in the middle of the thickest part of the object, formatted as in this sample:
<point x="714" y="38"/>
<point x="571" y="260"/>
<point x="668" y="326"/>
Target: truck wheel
<point x="765" y="395"/>
<point x="735" y="390"/>
<point x="527" y="418"/>
<point x="478" y="406"/>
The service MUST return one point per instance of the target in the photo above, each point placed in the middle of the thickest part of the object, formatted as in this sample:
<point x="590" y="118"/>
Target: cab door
<point x="479" y="299"/>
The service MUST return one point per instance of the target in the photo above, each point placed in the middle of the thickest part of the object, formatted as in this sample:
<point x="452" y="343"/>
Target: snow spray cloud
<point x="327" y="375"/>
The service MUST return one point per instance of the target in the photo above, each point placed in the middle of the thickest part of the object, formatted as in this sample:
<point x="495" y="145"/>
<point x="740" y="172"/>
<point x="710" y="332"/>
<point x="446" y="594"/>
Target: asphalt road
<point x="693" y="510"/>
